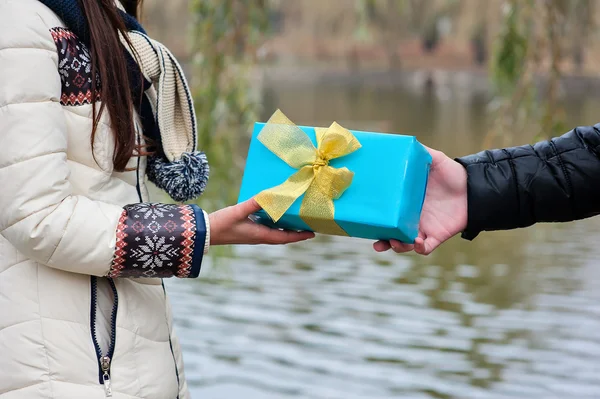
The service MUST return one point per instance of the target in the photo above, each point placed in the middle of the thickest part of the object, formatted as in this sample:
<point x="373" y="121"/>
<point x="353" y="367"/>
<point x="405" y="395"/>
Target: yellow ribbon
<point x="319" y="182"/>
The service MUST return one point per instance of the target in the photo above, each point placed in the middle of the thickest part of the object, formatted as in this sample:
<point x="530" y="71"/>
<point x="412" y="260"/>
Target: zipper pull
<point x="105" y="364"/>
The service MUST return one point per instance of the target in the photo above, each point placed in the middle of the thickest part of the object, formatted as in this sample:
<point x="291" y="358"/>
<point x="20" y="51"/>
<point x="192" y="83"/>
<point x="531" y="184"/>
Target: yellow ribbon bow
<point x="319" y="182"/>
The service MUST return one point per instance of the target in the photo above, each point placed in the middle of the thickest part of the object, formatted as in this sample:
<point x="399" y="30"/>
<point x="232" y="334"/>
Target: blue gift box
<point x="384" y="200"/>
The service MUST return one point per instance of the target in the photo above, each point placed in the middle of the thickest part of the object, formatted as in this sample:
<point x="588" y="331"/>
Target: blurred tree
<point x="225" y="37"/>
<point x="583" y="12"/>
<point x="479" y="44"/>
<point x="512" y="67"/>
<point x="389" y="17"/>
<point x="536" y="39"/>
<point x="224" y="43"/>
<point x="533" y="41"/>
<point x="386" y="21"/>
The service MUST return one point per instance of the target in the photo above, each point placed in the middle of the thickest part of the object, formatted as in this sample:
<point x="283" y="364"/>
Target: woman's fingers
<point x="267" y="235"/>
<point x="232" y="225"/>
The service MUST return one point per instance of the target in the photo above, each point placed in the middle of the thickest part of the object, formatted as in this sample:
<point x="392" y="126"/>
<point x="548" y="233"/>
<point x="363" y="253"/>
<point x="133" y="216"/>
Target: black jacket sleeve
<point x="552" y="181"/>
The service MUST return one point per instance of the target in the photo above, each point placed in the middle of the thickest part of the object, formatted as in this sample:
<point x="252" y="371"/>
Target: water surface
<point x="510" y="315"/>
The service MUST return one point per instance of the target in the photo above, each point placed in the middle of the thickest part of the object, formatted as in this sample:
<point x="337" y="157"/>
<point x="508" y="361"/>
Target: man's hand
<point x="444" y="210"/>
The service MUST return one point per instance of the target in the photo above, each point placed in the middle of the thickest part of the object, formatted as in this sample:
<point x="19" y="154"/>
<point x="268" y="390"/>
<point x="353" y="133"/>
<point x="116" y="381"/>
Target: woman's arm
<point x="552" y="181"/>
<point x="39" y="212"/>
<point x="41" y="215"/>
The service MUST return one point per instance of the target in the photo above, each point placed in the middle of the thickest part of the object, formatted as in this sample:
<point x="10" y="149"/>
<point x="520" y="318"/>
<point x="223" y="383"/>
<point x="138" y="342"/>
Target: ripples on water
<point x="510" y="315"/>
<point x="333" y="320"/>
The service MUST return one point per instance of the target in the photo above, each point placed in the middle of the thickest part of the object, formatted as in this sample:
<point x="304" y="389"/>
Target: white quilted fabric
<point x="59" y="210"/>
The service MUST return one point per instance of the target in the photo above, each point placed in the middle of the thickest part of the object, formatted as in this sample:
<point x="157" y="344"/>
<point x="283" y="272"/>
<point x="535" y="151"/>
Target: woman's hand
<point x="444" y="210"/>
<point x="232" y="225"/>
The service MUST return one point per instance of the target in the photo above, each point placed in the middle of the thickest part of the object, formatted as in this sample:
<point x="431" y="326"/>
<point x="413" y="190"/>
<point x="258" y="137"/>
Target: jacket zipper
<point x="171" y="346"/>
<point x="104" y="360"/>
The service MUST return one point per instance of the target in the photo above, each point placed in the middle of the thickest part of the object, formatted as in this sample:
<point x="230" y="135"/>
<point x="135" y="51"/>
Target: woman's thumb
<point x="247" y="208"/>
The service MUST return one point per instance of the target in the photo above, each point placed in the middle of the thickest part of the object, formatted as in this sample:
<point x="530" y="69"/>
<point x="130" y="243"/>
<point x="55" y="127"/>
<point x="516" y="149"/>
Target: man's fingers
<point x="400" y="247"/>
<point x="420" y="246"/>
<point x="426" y="246"/>
<point x="381" y="246"/>
<point x="396" y="246"/>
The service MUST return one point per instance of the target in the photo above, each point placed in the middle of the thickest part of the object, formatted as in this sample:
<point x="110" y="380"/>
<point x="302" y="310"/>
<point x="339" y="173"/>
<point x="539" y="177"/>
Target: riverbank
<point x="473" y="80"/>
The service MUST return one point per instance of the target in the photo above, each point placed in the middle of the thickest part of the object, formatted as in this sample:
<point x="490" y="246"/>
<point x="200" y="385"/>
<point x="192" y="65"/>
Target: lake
<point x="510" y="315"/>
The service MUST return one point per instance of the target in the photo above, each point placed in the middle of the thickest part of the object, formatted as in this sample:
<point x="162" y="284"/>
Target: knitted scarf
<point x="165" y="108"/>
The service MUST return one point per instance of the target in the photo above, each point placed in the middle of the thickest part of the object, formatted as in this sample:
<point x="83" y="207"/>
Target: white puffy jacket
<point x="67" y="221"/>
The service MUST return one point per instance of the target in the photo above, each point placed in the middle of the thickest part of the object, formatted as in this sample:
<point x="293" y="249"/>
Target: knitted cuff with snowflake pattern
<point x="160" y="241"/>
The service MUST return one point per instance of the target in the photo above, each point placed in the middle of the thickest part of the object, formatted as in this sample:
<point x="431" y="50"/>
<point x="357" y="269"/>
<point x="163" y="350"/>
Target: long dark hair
<point x="109" y="63"/>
